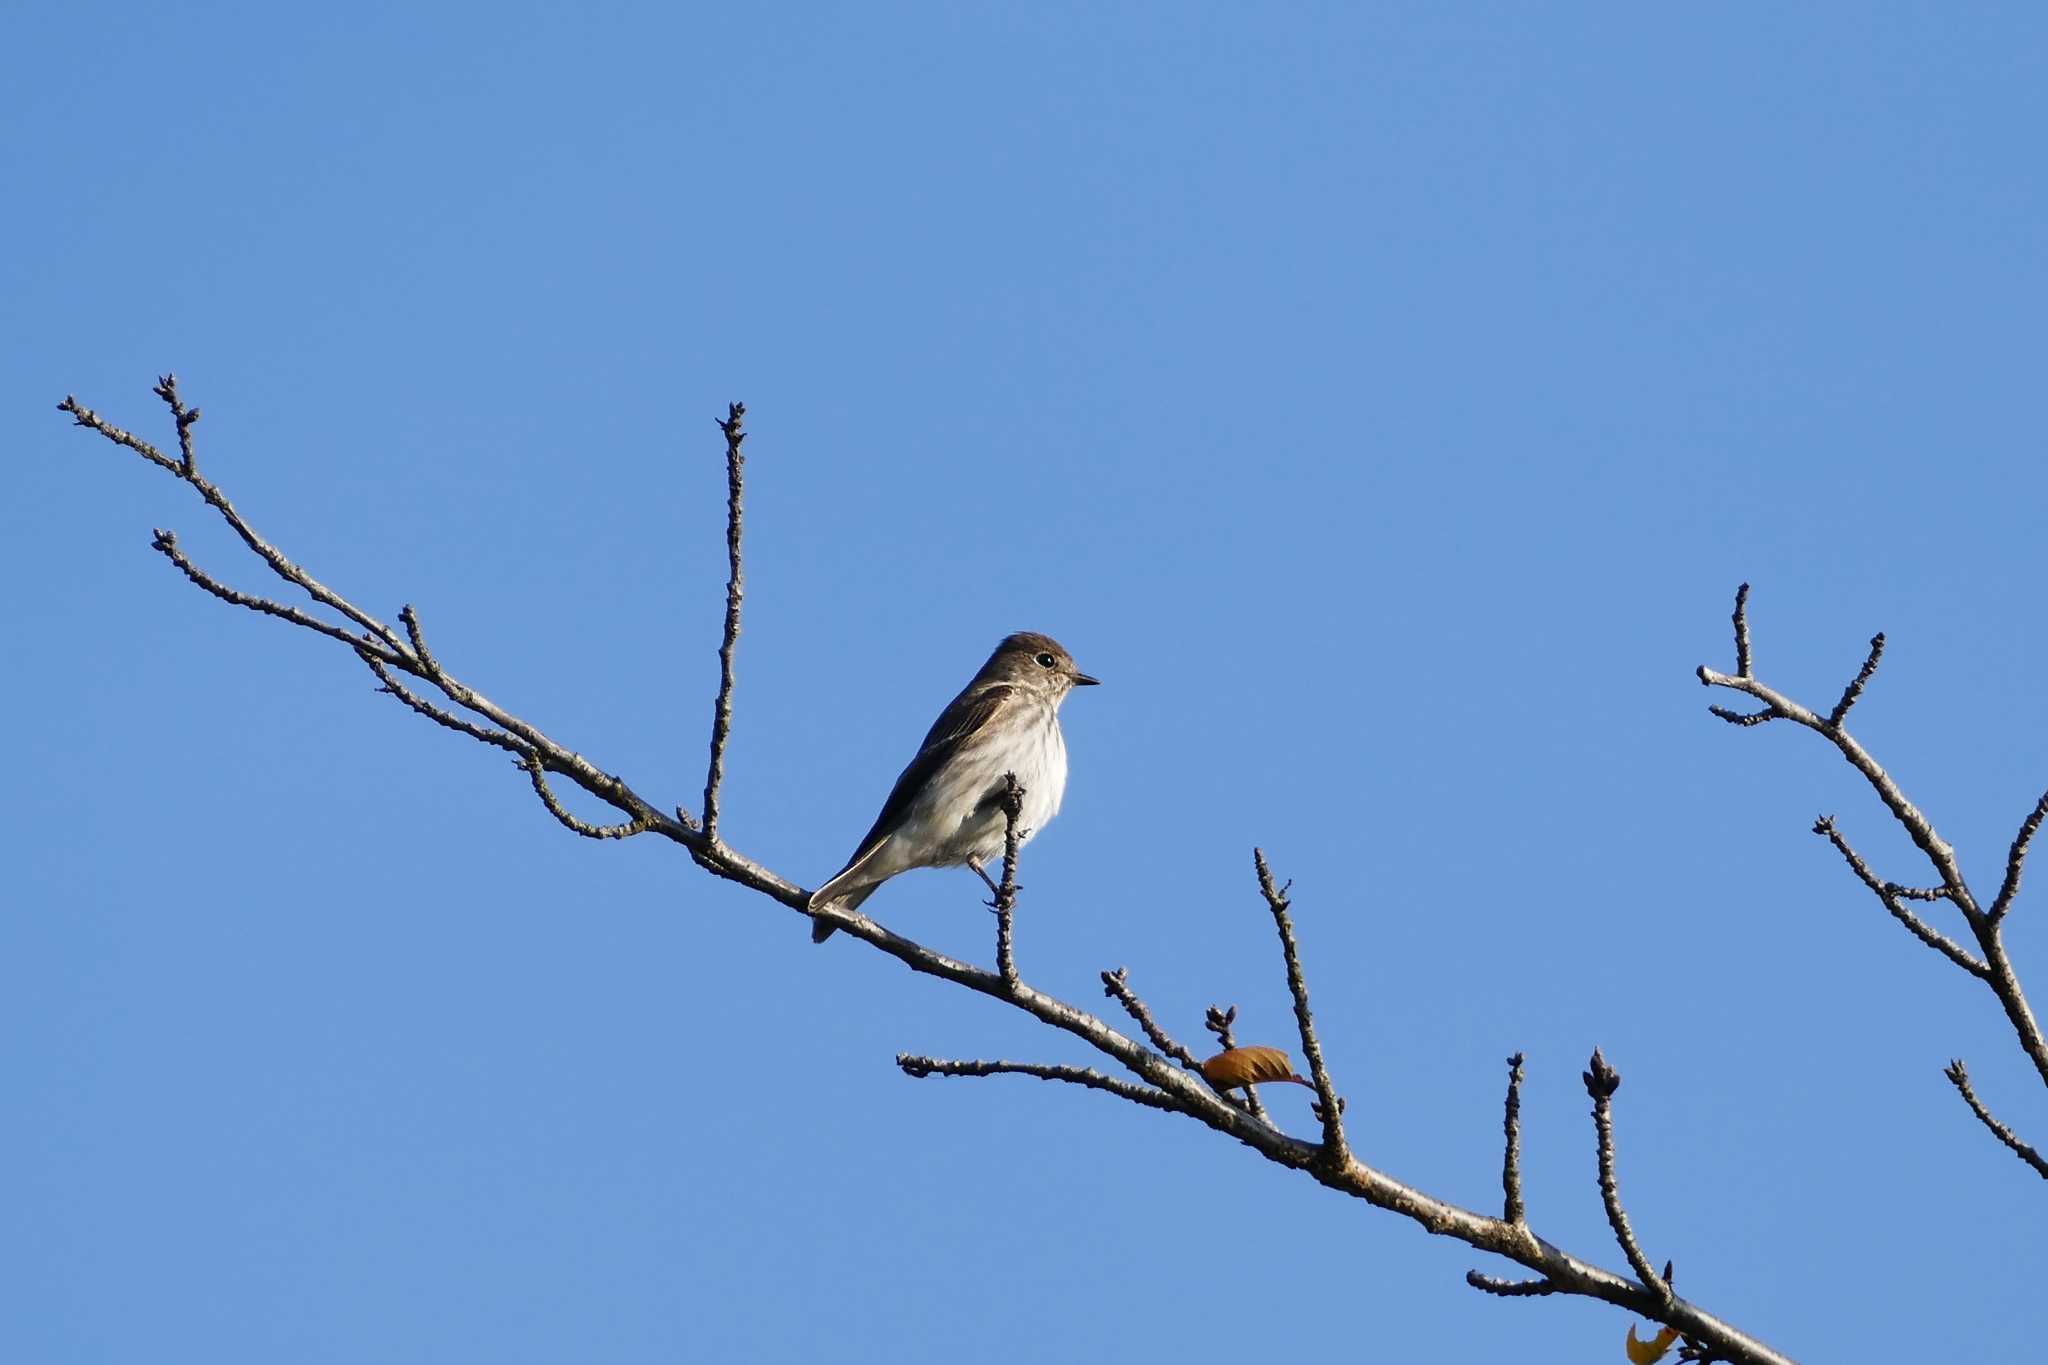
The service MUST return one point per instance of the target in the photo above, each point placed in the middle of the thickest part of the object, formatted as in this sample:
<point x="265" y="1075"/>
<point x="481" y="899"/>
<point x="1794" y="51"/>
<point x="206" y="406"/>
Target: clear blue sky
<point x="1383" y="400"/>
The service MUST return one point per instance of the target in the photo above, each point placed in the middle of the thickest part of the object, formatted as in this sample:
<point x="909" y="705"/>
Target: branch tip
<point x="1219" y="1021"/>
<point x="1854" y="690"/>
<point x="1959" y="1077"/>
<point x="1329" y="1108"/>
<point x="410" y="619"/>
<point x="1117" y="986"/>
<point x="1602" y="1080"/>
<point x="1741" y="619"/>
<point x="2016" y="860"/>
<point x="1512" y="1209"/>
<point x="735" y="591"/>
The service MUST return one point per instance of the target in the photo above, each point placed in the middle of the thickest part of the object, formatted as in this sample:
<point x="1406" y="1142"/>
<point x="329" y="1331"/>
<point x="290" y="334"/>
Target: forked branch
<point x="1990" y="964"/>
<point x="415" y="676"/>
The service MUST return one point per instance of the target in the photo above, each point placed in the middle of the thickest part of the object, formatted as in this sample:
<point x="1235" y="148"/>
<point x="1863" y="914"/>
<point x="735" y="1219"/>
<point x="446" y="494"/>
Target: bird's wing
<point x="956" y="727"/>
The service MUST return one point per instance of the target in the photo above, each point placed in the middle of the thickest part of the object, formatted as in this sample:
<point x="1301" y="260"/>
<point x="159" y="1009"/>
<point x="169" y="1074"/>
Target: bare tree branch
<point x="531" y="763"/>
<point x="1890" y="894"/>
<point x="1905" y="812"/>
<point x="1218" y="1021"/>
<point x="1959" y="1076"/>
<point x="1159" y="1083"/>
<point x="1117" y="986"/>
<point x="1005" y="903"/>
<point x="735" y="588"/>
<point x="914" y="1065"/>
<point x="1511" y="1161"/>
<point x="434" y="713"/>
<point x="1602" y="1081"/>
<point x="165" y="543"/>
<point x="268" y="553"/>
<point x="410" y="619"/>
<point x="1511" y="1289"/>
<point x="1855" y="688"/>
<point x="1329" y="1105"/>
<point x="1741" y="619"/>
<point x="1994" y="966"/>
<point x="2016" y="860"/>
<point x="183" y="417"/>
<point x="1744" y="717"/>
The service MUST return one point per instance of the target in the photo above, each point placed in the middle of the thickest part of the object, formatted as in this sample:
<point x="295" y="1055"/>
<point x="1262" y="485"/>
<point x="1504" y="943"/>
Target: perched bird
<point x="946" y="809"/>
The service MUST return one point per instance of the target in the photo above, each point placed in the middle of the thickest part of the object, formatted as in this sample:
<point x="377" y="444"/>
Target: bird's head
<point x="1037" y="663"/>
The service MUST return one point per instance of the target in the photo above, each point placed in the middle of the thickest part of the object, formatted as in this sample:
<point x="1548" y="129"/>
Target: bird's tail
<point x="840" y="897"/>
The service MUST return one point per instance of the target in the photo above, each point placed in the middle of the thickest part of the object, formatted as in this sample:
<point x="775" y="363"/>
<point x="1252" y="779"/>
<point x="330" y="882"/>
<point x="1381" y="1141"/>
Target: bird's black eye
<point x="1046" y="661"/>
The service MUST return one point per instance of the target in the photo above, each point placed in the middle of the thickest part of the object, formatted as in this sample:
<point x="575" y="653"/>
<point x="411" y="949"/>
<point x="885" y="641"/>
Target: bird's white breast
<point x="957" y="813"/>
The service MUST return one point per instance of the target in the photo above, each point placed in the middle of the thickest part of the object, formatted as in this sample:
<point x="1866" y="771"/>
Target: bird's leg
<point x="975" y="863"/>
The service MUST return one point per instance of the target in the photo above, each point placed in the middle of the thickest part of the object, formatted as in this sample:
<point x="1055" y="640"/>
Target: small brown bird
<point x="946" y="808"/>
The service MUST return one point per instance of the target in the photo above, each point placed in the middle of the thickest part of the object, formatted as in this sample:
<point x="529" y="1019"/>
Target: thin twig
<point x="1005" y="902"/>
<point x="184" y="417"/>
<point x="914" y="1065"/>
<point x="1602" y="1081"/>
<point x="2016" y="859"/>
<point x="735" y="588"/>
<point x="165" y="543"/>
<point x="1218" y="1021"/>
<point x="1328" y="1103"/>
<point x="1890" y="896"/>
<point x="268" y="553"/>
<point x="1959" y="1076"/>
<point x="531" y="763"/>
<point x="85" y="417"/>
<point x="1511" y="1289"/>
<point x="381" y="643"/>
<point x="1511" y="1163"/>
<point x="1741" y="619"/>
<point x="410" y="619"/>
<point x="1744" y="717"/>
<point x="1117" y="986"/>
<point x="1995" y="967"/>
<point x="434" y="713"/>
<point x="1855" y="688"/>
<point x="1917" y="826"/>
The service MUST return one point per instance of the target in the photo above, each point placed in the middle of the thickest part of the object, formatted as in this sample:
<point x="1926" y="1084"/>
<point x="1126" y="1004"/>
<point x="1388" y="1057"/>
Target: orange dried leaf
<point x="1651" y="1351"/>
<point x="1241" y="1066"/>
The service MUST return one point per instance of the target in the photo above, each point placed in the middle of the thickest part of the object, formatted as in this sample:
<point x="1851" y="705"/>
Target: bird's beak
<point x="1083" y="680"/>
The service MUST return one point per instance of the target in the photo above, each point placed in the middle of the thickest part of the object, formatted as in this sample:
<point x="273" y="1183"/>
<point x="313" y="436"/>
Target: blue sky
<point x="1384" y="400"/>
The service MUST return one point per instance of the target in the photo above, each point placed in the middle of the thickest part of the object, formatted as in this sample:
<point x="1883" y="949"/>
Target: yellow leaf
<point x="1651" y="1351"/>
<point x="1242" y="1066"/>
